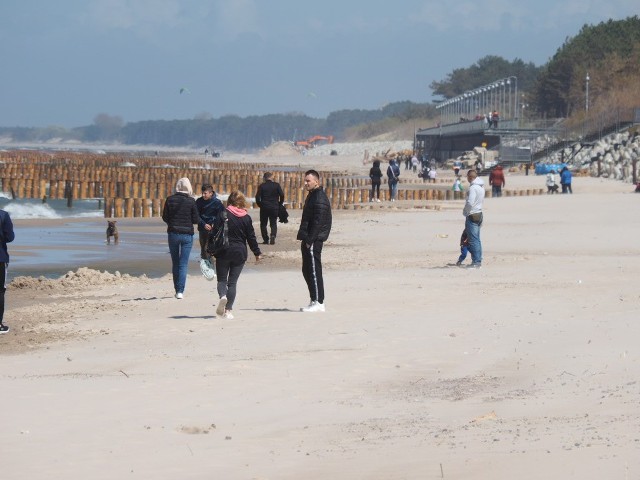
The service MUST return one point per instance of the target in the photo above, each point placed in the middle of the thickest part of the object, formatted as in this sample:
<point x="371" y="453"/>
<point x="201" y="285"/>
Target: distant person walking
<point x="375" y="174"/>
<point x="473" y="217"/>
<point x="565" y="180"/>
<point x="495" y="118"/>
<point x="6" y="236"/>
<point x="269" y="197"/>
<point x="315" y="227"/>
<point x="393" y="177"/>
<point x="180" y="214"/>
<point x="229" y="264"/>
<point x="552" y="182"/>
<point x="457" y="185"/>
<point x="414" y="163"/>
<point x="496" y="180"/>
<point x="433" y="173"/>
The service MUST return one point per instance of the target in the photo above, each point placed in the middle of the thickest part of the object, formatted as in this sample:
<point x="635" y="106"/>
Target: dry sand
<point x="527" y="368"/>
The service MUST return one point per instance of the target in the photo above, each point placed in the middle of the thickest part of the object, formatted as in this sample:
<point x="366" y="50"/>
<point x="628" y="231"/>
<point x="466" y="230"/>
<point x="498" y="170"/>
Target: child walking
<point x="464" y="248"/>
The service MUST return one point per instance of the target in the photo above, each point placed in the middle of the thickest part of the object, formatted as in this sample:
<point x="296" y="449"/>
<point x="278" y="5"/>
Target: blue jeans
<point x="180" y="249"/>
<point x="473" y="234"/>
<point x="393" y="190"/>
<point x="463" y="253"/>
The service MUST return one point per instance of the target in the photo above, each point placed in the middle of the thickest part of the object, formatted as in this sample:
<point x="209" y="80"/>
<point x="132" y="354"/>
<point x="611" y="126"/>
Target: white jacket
<point x="475" y="197"/>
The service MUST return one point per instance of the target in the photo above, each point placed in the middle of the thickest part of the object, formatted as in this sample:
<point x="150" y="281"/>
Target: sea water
<point x="25" y="208"/>
<point x="51" y="249"/>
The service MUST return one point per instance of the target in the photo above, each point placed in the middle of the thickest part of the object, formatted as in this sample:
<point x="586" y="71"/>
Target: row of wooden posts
<point x="138" y="187"/>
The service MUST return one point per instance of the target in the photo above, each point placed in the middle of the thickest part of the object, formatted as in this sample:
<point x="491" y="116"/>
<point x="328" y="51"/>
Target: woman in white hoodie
<point x="180" y="214"/>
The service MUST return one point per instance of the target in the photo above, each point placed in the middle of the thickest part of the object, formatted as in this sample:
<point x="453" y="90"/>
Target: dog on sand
<point x="112" y="231"/>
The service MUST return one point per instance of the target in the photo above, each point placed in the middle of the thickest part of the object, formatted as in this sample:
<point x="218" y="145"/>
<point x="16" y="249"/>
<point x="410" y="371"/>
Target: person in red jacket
<point x="496" y="180"/>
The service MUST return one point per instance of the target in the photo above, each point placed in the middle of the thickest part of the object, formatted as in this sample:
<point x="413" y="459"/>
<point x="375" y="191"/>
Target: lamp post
<point x="586" y="104"/>
<point x="514" y="109"/>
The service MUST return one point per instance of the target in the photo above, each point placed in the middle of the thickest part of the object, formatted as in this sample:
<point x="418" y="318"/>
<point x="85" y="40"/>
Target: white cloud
<point x="498" y="15"/>
<point x="236" y="17"/>
<point x="489" y="15"/>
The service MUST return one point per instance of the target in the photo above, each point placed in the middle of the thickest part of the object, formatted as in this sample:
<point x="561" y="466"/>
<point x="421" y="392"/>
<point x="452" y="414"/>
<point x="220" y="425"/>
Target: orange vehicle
<point x="313" y="141"/>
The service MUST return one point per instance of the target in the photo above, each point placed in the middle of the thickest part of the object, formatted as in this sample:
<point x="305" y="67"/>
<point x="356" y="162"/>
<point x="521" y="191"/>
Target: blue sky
<point x="63" y="62"/>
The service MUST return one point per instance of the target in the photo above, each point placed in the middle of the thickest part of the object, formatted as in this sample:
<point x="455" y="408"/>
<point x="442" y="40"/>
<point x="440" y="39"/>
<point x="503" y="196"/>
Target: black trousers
<point x="202" y="237"/>
<point x="3" y="288"/>
<point x="312" y="270"/>
<point x="270" y="216"/>
<point x="228" y="275"/>
<point x="375" y="188"/>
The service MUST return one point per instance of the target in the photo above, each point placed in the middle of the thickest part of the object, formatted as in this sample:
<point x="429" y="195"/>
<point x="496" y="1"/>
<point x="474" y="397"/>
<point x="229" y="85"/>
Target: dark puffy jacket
<point x="393" y="172"/>
<point x="6" y="235"/>
<point x="241" y="233"/>
<point x="375" y="174"/>
<point x="269" y="196"/>
<point x="316" y="217"/>
<point x="180" y="213"/>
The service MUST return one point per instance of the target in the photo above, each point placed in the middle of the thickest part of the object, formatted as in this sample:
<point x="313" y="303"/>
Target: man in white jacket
<point x="473" y="214"/>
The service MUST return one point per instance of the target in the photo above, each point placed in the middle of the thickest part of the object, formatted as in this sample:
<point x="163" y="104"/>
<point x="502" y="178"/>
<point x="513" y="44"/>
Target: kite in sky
<point x="184" y="90"/>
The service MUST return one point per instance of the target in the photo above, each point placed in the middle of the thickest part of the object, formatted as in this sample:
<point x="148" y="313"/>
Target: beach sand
<point x="527" y="368"/>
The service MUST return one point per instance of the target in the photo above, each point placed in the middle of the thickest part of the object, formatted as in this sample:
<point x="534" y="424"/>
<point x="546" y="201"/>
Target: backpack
<point x="218" y="240"/>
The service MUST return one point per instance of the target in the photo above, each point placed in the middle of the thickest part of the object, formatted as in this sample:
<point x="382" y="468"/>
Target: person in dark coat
<point x="229" y="264"/>
<point x="565" y="180"/>
<point x="375" y="174"/>
<point x="209" y="207"/>
<point x="393" y="174"/>
<point x="269" y="197"/>
<point x="314" y="230"/>
<point x="6" y="236"/>
<point x="180" y="214"/>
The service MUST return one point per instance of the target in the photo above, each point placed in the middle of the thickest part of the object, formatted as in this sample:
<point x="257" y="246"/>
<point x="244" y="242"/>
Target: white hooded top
<point x="475" y="197"/>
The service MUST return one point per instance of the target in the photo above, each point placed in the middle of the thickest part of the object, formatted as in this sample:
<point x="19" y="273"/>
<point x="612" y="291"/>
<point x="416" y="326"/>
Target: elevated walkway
<point x="518" y="141"/>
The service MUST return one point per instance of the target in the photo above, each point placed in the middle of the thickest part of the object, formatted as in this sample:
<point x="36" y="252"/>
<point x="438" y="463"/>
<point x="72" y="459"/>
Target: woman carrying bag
<point x="230" y="262"/>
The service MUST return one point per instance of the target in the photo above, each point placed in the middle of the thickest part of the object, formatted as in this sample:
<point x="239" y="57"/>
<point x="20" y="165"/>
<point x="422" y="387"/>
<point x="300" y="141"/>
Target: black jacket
<point x="241" y="233"/>
<point x="180" y="213"/>
<point x="6" y="235"/>
<point x="375" y="174"/>
<point x="269" y="196"/>
<point x="208" y="211"/>
<point x="316" y="217"/>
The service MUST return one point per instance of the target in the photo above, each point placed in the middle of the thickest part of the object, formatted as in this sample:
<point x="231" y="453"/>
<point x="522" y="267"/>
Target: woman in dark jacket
<point x="180" y="214"/>
<point x="229" y="264"/>
<point x="375" y="174"/>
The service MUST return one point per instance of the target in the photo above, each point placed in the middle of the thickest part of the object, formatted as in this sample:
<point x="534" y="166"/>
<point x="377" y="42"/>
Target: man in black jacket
<point x="269" y="197"/>
<point x="315" y="227"/>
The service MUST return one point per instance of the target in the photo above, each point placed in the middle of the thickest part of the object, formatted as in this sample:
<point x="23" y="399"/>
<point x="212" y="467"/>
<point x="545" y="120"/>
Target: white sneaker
<point x="314" y="307"/>
<point x="228" y="315"/>
<point x="179" y="296"/>
<point x="378" y="200"/>
<point x="221" y="305"/>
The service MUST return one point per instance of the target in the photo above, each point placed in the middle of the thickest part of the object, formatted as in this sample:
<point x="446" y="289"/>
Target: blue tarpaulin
<point x="544" y="168"/>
